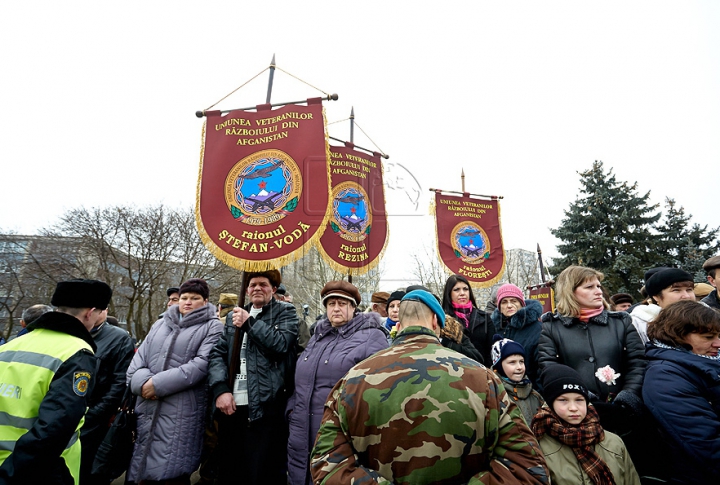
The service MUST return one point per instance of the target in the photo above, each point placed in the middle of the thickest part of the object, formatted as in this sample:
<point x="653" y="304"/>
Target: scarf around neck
<point x="661" y="345"/>
<point x="463" y="311"/>
<point x="587" y="313"/>
<point x="581" y="438"/>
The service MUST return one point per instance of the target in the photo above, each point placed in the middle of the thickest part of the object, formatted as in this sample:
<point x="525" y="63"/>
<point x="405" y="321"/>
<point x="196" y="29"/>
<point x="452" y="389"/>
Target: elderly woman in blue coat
<point x="169" y="374"/>
<point x="682" y="388"/>
<point x="343" y="338"/>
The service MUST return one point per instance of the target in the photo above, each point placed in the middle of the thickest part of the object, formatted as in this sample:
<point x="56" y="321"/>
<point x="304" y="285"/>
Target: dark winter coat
<point x="114" y="352"/>
<point x="272" y="335"/>
<point x="712" y="300"/>
<point x="526" y="398"/>
<point x="524" y="328"/>
<point x="607" y="339"/>
<point x="682" y="391"/>
<point x="480" y="329"/>
<point x="453" y="337"/>
<point x="330" y="353"/>
<point x="170" y="429"/>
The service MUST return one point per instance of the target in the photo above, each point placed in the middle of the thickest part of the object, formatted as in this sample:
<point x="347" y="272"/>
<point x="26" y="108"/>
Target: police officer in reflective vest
<point x="45" y="378"/>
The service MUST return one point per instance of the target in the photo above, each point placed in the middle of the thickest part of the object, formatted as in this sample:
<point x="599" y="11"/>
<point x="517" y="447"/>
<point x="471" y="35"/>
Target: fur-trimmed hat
<point x="340" y="289"/>
<point x="272" y="275"/>
<point x="664" y="278"/>
<point x="502" y="349"/>
<point x="509" y="290"/>
<point x="79" y="293"/>
<point x="558" y="379"/>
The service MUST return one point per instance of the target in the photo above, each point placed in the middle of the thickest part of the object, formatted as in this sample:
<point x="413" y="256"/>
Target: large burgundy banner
<point x="357" y="229"/>
<point x="469" y="238"/>
<point x="263" y="188"/>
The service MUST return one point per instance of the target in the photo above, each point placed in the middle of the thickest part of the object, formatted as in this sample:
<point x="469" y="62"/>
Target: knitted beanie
<point x="558" y="379"/>
<point x="510" y="290"/>
<point x="502" y="349"/>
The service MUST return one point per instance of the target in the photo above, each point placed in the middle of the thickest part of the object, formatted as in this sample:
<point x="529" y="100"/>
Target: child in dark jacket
<point x="508" y="361"/>
<point x="576" y="448"/>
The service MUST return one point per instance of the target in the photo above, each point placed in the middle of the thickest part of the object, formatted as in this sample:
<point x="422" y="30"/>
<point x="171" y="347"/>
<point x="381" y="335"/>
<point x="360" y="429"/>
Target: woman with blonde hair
<point x="601" y="345"/>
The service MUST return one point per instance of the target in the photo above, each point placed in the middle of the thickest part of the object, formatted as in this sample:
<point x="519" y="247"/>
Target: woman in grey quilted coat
<point x="169" y="375"/>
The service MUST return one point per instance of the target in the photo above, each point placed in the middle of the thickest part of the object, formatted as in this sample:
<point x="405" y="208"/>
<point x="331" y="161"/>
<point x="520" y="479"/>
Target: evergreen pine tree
<point x="685" y="246"/>
<point x="608" y="228"/>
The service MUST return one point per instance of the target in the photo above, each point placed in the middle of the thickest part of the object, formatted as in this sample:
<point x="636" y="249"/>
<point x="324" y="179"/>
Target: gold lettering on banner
<point x="353" y="258"/>
<point x="466" y="208"/>
<point x="476" y="273"/>
<point x="279" y="234"/>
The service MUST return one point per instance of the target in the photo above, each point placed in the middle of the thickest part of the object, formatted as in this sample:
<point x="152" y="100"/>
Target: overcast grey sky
<point x="99" y="99"/>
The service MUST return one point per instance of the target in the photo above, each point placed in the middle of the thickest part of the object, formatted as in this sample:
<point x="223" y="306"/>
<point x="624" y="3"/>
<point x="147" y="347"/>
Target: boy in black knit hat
<point x="576" y="448"/>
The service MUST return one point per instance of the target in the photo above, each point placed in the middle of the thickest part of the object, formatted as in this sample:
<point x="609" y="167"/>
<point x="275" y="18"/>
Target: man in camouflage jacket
<point x="419" y="413"/>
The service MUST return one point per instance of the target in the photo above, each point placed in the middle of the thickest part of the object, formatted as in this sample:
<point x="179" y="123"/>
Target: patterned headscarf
<point x="581" y="438"/>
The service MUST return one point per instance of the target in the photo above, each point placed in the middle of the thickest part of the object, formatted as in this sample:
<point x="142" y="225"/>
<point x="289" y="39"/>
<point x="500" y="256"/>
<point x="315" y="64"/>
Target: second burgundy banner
<point x="357" y="230"/>
<point x="469" y="238"/>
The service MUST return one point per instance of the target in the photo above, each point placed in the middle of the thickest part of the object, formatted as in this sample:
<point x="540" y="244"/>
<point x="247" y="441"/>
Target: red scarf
<point x="463" y="311"/>
<point x="587" y="313"/>
<point x="582" y="438"/>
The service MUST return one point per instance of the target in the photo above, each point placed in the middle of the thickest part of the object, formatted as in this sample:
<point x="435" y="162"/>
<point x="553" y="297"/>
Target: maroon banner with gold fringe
<point x="469" y="238"/>
<point x="263" y="188"/>
<point x="357" y="230"/>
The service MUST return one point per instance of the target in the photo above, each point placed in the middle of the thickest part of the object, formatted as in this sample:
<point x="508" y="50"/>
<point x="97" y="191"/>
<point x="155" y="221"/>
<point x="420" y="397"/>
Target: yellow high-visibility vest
<point x="25" y="377"/>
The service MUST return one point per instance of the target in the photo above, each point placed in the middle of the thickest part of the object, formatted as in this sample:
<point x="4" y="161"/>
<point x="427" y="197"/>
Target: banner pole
<point x="464" y="193"/>
<point x="270" y="80"/>
<point x="200" y="114"/>
<point x="352" y="140"/>
<point x="542" y="269"/>
<point x="237" y="336"/>
<point x="462" y="179"/>
<point x="383" y="155"/>
<point x="352" y="125"/>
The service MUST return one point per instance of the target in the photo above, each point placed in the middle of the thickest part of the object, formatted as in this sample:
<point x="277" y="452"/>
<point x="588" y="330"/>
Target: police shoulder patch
<point x="81" y="382"/>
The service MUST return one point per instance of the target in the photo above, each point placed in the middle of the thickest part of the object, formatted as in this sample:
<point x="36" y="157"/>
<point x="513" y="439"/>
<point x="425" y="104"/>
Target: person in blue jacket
<point x="682" y="389"/>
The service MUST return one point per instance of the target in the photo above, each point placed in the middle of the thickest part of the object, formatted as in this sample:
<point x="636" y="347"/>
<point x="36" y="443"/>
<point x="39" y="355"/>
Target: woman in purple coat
<point x="341" y="339"/>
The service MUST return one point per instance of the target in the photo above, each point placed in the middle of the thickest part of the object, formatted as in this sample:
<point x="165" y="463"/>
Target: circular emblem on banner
<point x="352" y="215"/>
<point x="263" y="188"/>
<point x="470" y="242"/>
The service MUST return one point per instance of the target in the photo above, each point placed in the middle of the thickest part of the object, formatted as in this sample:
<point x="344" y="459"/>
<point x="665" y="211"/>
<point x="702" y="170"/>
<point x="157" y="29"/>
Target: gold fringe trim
<point x="260" y="265"/>
<point x="473" y="284"/>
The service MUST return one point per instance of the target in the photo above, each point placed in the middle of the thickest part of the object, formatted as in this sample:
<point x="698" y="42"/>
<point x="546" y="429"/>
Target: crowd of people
<point x="418" y="389"/>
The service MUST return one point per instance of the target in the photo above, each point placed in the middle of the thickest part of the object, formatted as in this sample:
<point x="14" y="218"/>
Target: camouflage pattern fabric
<point x="419" y="413"/>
